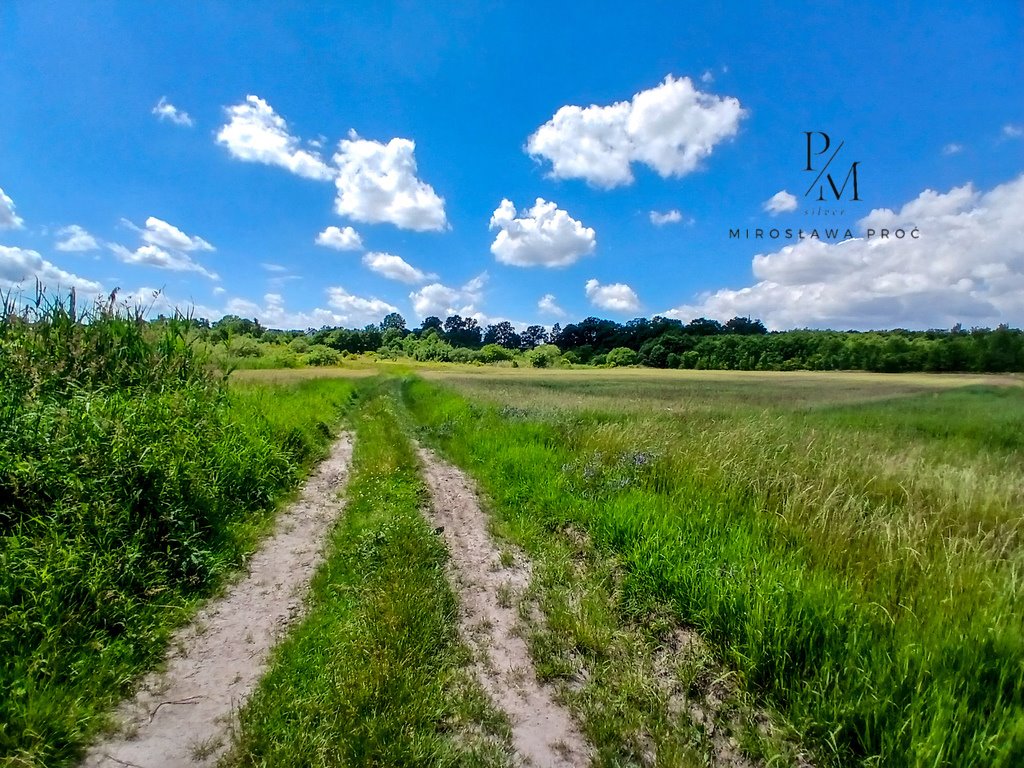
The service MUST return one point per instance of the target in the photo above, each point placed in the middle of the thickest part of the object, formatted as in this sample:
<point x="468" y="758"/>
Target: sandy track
<point x="184" y="715"/>
<point x="543" y="732"/>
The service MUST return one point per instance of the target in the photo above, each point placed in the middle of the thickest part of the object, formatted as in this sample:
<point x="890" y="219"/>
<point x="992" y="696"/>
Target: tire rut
<point x="543" y="732"/>
<point x="185" y="714"/>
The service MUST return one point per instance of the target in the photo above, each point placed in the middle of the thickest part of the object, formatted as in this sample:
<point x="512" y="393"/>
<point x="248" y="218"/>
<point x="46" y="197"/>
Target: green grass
<point x="374" y="673"/>
<point x="852" y="556"/>
<point x="131" y="482"/>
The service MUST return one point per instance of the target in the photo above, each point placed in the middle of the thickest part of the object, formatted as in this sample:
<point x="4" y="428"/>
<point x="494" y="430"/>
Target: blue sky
<point x="202" y="150"/>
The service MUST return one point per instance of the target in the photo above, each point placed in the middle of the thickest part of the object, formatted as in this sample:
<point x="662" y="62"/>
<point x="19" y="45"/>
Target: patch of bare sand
<point x="543" y="732"/>
<point x="183" y="716"/>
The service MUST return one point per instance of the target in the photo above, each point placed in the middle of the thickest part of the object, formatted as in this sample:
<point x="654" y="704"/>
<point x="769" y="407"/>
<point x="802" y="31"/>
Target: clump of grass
<point x="373" y="675"/>
<point x="131" y="480"/>
<point x="877" y="611"/>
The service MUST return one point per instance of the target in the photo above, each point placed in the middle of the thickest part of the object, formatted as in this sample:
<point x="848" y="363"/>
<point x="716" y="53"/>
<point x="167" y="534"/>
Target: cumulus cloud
<point x="377" y="183"/>
<point x="1011" y="131"/>
<point x="952" y="149"/>
<point x="164" y="110"/>
<point x="659" y="219"/>
<point x="76" y="239"/>
<point x="8" y="218"/>
<point x="669" y="128"/>
<point x="442" y="301"/>
<point x="548" y="304"/>
<point x="967" y="266"/>
<point x="20" y="268"/>
<point x="256" y="133"/>
<point x="346" y="239"/>
<point x="780" y="202"/>
<point x="543" y="236"/>
<point x="615" y="297"/>
<point x="395" y="268"/>
<point x="155" y="256"/>
<point x="163" y="235"/>
<point x="356" y="309"/>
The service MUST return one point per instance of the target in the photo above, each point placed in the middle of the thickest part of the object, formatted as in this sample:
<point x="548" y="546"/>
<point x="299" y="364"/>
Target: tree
<point x="744" y="326"/>
<point x="503" y="334"/>
<point x="431" y="322"/>
<point x="534" y="336"/>
<point x="393" y="320"/>
<point x="701" y="326"/>
<point x="462" y="332"/>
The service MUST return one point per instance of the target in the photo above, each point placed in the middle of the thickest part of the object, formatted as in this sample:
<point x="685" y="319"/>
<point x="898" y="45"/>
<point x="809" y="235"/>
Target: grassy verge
<point x="878" y="612"/>
<point x="131" y="482"/>
<point x="374" y="675"/>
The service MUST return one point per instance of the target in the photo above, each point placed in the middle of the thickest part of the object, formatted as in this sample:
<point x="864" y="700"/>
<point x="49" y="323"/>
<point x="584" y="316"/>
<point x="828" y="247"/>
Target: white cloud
<point x="615" y="297"/>
<point x="257" y="134"/>
<point x="780" y="202"/>
<point x="967" y="266"/>
<point x="8" y="218"/>
<point x="1011" y="131"/>
<point x="167" y="111"/>
<point x="395" y="268"/>
<point x="155" y="256"/>
<point x="543" y="236"/>
<point x="20" y="268"/>
<point x="356" y="309"/>
<point x="274" y="267"/>
<point x="219" y="290"/>
<point x="441" y="301"/>
<point x="377" y="183"/>
<point x="659" y="219"/>
<point x="708" y="77"/>
<point x="163" y="235"/>
<point x="952" y="149"/>
<point x="670" y="128"/>
<point x="346" y="239"/>
<point x="548" y="304"/>
<point x="76" y="239"/>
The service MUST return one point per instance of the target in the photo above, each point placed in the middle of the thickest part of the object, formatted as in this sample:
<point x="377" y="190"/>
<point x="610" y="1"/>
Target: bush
<point x="544" y="356"/>
<point x="322" y="355"/>
<point x="493" y="353"/>
<point x="622" y="356"/>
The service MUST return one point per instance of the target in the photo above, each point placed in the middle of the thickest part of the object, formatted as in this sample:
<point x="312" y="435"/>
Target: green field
<point x="849" y="543"/>
<point x="847" y="546"/>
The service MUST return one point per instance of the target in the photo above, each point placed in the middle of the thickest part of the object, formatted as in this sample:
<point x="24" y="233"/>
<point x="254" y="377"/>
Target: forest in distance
<point x="703" y="344"/>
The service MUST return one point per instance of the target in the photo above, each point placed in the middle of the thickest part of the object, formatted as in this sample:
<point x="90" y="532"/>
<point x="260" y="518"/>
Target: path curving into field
<point x="543" y="732"/>
<point x="184" y="716"/>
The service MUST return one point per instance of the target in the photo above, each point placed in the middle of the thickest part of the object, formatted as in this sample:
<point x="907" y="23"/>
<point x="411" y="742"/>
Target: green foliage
<point x="493" y="353"/>
<point x="320" y="354"/>
<point x="131" y="480"/>
<point x="621" y="356"/>
<point x="544" y="356"/>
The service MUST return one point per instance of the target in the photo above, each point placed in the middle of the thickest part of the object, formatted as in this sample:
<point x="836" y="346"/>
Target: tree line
<point x="741" y="343"/>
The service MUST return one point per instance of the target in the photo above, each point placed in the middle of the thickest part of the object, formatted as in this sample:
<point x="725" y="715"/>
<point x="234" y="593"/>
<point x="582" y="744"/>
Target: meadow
<point x="849" y="544"/>
<point x="846" y="546"/>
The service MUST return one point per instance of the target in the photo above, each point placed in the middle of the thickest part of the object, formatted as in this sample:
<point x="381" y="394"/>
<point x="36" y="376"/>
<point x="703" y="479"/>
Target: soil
<point x="185" y="714"/>
<point x="544" y="734"/>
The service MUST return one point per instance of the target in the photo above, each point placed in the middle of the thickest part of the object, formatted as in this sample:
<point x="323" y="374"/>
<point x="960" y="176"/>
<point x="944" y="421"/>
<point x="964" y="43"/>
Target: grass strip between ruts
<point x="375" y="673"/>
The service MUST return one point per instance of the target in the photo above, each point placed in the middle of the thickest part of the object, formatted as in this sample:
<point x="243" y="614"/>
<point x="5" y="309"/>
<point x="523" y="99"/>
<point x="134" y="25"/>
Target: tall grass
<point x="131" y="480"/>
<point x="878" y="611"/>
